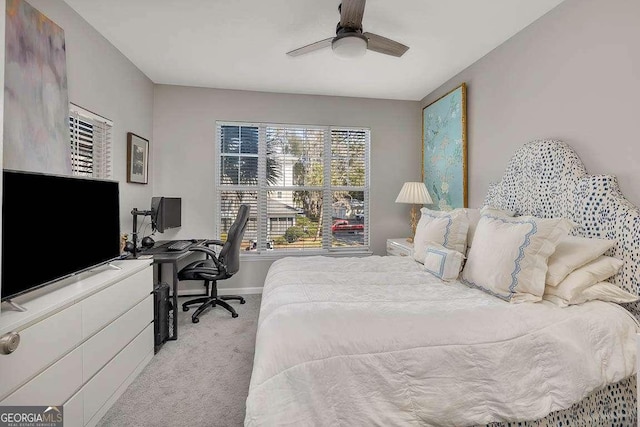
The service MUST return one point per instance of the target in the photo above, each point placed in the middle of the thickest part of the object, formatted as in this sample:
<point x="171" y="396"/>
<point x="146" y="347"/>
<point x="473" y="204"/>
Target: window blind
<point x="90" y="139"/>
<point x="302" y="180"/>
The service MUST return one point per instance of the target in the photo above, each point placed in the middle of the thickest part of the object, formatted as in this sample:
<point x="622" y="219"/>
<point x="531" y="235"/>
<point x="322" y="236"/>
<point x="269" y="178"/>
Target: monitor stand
<point x="15" y="306"/>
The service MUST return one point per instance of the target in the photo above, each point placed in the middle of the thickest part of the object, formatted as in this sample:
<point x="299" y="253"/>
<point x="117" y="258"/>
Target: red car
<point x="344" y="225"/>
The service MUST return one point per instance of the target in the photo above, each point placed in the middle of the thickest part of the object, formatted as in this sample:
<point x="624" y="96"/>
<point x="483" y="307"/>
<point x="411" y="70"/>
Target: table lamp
<point x="415" y="193"/>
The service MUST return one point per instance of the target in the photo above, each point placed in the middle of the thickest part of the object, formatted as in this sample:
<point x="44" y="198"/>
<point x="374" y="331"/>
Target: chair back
<point x="230" y="252"/>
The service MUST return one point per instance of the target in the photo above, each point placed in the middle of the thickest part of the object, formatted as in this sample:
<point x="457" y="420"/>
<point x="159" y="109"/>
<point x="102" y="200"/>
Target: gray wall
<point x="184" y="120"/>
<point x="573" y="75"/>
<point x="104" y="81"/>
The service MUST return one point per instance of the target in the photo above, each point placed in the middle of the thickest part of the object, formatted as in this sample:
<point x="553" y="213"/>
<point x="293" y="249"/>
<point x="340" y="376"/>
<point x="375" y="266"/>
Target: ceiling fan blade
<point x="351" y="12"/>
<point x="311" y="47"/>
<point x="384" y="45"/>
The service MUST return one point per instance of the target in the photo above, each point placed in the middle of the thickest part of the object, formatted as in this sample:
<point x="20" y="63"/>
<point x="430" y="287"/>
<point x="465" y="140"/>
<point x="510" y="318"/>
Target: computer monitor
<point x="166" y="213"/>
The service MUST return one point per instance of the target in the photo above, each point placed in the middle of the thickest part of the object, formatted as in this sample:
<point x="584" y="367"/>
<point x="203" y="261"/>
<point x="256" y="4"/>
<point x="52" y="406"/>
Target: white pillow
<point x="442" y="262"/>
<point x="605" y="291"/>
<point x="509" y="256"/>
<point x="573" y="252"/>
<point x="473" y="215"/>
<point x="583" y="277"/>
<point x="448" y="229"/>
<point x="602" y="291"/>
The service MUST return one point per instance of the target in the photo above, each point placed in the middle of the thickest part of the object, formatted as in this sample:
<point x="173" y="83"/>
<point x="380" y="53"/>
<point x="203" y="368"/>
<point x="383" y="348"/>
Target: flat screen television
<point x="166" y="213"/>
<point x="55" y="226"/>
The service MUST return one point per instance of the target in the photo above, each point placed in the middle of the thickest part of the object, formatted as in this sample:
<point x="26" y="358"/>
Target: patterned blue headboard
<point x="546" y="178"/>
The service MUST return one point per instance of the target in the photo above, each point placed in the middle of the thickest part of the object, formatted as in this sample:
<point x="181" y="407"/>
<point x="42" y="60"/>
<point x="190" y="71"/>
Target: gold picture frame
<point x="444" y="149"/>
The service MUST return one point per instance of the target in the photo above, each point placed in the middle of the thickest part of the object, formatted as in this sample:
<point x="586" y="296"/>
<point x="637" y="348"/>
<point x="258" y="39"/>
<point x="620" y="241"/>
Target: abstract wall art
<point x="444" y="149"/>
<point x="36" y="109"/>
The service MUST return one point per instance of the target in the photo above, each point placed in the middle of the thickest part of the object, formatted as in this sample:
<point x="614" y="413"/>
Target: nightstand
<point x="399" y="247"/>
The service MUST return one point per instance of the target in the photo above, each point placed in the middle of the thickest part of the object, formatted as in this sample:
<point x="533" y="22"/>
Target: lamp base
<point x="414" y="222"/>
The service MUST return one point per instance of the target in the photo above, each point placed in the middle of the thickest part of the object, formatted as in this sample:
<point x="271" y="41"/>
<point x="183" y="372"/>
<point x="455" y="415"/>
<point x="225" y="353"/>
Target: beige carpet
<point x="202" y="379"/>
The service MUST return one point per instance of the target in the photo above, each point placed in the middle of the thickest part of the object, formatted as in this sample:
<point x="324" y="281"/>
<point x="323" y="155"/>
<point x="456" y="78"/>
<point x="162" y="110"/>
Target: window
<point x="308" y="186"/>
<point x="90" y="143"/>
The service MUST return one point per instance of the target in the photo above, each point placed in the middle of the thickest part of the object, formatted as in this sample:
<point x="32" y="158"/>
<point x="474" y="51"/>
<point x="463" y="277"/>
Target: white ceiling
<point x="241" y="44"/>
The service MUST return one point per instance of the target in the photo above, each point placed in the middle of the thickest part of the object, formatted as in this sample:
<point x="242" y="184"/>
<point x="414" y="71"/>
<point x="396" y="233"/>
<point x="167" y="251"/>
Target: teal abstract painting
<point x="444" y="150"/>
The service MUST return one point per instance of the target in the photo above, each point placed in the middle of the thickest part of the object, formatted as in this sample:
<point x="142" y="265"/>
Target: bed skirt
<point x="614" y="405"/>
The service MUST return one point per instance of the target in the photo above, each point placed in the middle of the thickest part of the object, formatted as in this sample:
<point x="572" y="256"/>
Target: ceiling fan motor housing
<point x="350" y="44"/>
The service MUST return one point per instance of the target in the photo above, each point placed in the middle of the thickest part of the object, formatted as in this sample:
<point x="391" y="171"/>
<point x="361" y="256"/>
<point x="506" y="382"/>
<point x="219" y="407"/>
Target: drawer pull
<point x="9" y="342"/>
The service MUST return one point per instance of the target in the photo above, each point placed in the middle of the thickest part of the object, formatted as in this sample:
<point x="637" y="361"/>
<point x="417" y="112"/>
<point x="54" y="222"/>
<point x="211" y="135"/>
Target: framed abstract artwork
<point x="36" y="103"/>
<point x="137" y="159"/>
<point x="444" y="149"/>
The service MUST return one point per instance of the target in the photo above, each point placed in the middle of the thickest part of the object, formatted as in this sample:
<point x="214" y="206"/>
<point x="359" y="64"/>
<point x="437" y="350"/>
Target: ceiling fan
<point x="350" y="41"/>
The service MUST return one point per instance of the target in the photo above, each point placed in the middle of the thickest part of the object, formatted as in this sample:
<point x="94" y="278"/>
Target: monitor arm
<point x="136" y="212"/>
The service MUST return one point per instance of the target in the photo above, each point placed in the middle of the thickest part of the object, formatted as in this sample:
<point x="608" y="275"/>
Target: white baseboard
<point x="224" y="291"/>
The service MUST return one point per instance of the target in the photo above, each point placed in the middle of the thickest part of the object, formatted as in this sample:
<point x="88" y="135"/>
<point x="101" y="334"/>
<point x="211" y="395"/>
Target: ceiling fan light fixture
<point x="350" y="46"/>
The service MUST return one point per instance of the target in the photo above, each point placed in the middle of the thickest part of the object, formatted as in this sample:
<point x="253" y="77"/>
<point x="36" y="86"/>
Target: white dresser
<point x="82" y="341"/>
<point x="399" y="247"/>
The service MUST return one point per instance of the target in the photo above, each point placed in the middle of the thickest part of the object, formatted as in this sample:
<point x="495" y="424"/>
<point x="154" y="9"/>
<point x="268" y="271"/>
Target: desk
<point x="172" y="259"/>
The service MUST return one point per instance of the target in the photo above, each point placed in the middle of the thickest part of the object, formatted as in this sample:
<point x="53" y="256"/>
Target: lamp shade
<point x="415" y="193"/>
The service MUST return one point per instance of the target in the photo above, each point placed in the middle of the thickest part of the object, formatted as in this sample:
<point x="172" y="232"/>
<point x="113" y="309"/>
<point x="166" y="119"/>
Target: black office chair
<point x="217" y="267"/>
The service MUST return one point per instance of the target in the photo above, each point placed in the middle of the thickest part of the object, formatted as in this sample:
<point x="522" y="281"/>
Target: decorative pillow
<point x="442" y="262"/>
<point x="573" y="252"/>
<point x="583" y="277"/>
<point x="448" y="229"/>
<point x="602" y="291"/>
<point x="509" y="256"/>
<point x="473" y="215"/>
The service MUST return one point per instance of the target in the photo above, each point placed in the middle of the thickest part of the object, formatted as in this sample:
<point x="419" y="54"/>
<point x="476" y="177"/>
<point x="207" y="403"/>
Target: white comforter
<point x="376" y="341"/>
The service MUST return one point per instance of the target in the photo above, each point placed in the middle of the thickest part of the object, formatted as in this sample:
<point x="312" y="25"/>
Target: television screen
<point x="55" y="226"/>
<point x="166" y="212"/>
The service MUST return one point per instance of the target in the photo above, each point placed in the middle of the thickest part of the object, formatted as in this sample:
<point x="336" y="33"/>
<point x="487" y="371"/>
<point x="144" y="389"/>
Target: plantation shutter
<point x="308" y="186"/>
<point x="349" y="171"/>
<point x="90" y="139"/>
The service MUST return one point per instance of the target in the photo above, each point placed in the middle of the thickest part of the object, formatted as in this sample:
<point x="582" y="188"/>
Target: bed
<point x="378" y="341"/>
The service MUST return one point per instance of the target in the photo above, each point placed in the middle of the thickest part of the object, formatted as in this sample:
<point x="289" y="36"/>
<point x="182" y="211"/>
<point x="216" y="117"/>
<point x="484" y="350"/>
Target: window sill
<point x="270" y="256"/>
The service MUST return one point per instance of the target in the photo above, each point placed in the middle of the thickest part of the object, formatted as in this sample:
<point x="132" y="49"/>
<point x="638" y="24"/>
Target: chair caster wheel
<point x="242" y="301"/>
<point x="234" y="315"/>
<point x="185" y="308"/>
<point x="196" y="320"/>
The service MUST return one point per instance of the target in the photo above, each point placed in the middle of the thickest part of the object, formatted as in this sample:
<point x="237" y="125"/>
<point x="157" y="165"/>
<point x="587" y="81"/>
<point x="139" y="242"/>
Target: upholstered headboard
<point x="546" y="178"/>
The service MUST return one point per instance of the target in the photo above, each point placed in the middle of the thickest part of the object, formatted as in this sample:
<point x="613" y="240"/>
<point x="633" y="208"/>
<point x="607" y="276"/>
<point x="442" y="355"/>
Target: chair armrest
<point x="214" y="242"/>
<point x="212" y="254"/>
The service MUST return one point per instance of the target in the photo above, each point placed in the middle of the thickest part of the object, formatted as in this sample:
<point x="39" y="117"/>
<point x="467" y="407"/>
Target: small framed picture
<point x="137" y="159"/>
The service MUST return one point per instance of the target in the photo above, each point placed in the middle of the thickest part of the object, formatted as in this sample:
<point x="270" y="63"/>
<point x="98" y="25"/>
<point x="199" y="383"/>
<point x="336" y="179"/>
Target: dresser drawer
<point x="101" y="347"/>
<point x="100" y="388"/>
<point x="53" y="386"/>
<point x="40" y="345"/>
<point x="101" y="308"/>
<point x="73" y="413"/>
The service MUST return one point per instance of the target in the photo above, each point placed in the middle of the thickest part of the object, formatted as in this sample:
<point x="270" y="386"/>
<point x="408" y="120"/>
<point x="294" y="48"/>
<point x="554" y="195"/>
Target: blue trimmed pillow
<point x="443" y="263"/>
<point x="446" y="228"/>
<point x="509" y="256"/>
